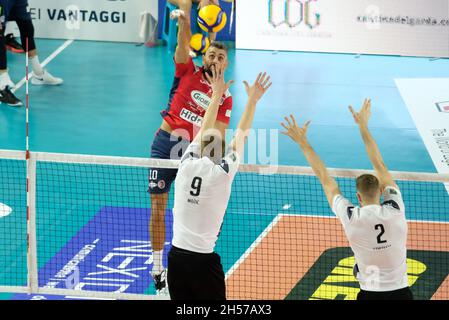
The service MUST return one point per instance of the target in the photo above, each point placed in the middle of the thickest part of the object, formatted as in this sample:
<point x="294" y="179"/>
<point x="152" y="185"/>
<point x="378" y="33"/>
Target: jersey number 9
<point x="196" y="186"/>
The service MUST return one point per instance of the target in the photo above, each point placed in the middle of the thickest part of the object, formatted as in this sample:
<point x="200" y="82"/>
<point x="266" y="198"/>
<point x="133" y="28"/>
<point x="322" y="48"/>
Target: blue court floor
<point x="113" y="93"/>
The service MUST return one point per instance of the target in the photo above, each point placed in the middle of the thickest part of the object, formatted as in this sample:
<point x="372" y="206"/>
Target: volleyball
<point x="199" y="43"/>
<point x="211" y="18"/>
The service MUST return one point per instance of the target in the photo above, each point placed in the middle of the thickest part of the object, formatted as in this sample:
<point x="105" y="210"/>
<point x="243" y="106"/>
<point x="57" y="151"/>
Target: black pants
<point x="401" y="294"/>
<point x="195" y="276"/>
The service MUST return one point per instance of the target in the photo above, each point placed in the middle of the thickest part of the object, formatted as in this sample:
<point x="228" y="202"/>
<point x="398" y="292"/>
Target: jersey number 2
<point x="196" y="186"/>
<point x="382" y="231"/>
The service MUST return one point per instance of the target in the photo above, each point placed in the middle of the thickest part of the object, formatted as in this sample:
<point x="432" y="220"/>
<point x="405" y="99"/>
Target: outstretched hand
<point x="177" y="14"/>
<point x="217" y="82"/>
<point x="258" y="89"/>
<point x="362" y="117"/>
<point x="298" y="134"/>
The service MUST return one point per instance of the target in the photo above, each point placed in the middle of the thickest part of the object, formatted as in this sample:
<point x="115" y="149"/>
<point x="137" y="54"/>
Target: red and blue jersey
<point x="189" y="98"/>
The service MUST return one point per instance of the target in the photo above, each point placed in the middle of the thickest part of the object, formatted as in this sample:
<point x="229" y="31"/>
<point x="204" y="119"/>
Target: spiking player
<point x="189" y="97"/>
<point x="377" y="233"/>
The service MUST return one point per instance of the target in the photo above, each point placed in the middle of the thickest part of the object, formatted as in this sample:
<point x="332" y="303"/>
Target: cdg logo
<point x="292" y="13"/>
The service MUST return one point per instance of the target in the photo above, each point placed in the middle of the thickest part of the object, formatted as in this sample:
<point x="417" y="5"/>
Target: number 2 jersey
<point x="202" y="192"/>
<point x="189" y="98"/>
<point x="377" y="235"/>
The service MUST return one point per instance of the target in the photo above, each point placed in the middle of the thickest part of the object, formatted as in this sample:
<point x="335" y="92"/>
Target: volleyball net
<point x="79" y="226"/>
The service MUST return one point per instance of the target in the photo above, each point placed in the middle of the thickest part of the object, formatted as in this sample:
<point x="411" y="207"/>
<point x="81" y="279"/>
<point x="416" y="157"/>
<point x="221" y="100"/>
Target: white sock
<point x="36" y="65"/>
<point x="5" y="80"/>
<point x="157" y="262"/>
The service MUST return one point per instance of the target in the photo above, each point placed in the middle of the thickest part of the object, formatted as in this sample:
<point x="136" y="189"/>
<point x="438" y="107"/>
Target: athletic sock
<point x="5" y="80"/>
<point x="36" y="65"/>
<point x="157" y="262"/>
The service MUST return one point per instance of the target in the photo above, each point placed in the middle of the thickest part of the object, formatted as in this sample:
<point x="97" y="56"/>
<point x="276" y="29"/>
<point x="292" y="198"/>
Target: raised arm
<point x="362" y="118"/>
<point x="299" y="135"/>
<point x="184" y="36"/>
<point x="255" y="93"/>
<point x="219" y="87"/>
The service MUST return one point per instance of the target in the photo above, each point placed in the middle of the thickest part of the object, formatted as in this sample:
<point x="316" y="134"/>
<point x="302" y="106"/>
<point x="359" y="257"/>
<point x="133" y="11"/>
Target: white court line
<point x="44" y="63"/>
<point x="253" y="246"/>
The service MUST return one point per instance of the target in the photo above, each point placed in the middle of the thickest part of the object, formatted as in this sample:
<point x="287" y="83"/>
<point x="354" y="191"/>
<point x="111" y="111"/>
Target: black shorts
<point x="195" y="276"/>
<point x="401" y="294"/>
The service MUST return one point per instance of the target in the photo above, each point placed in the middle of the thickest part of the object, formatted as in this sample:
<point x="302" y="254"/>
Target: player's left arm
<point x="299" y="135"/>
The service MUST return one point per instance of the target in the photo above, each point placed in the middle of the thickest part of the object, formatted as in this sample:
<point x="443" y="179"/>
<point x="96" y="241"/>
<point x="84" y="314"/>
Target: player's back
<point x="377" y="235"/>
<point x="202" y="192"/>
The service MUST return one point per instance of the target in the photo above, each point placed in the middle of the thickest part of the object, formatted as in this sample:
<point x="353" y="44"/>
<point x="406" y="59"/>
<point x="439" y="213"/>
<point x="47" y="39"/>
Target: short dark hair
<point x="219" y="45"/>
<point x="368" y="185"/>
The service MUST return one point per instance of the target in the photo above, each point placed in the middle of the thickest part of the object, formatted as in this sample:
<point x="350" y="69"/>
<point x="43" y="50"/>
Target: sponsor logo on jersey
<point x="191" y="117"/>
<point x="202" y="99"/>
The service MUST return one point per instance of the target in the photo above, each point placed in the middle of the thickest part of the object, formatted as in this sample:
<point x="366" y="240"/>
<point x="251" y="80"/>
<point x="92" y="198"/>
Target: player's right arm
<point x="184" y="36"/>
<point x="362" y="118"/>
<point x="299" y="135"/>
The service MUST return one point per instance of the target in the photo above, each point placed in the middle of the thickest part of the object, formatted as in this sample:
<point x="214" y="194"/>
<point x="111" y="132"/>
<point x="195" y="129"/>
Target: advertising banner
<point x="101" y="20"/>
<point x="399" y="27"/>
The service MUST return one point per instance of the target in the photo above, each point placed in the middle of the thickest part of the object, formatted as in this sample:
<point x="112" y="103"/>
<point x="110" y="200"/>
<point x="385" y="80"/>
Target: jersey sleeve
<point x="192" y="152"/>
<point x="230" y="162"/>
<point x="224" y="112"/>
<point x="343" y="209"/>
<point x="393" y="198"/>
<point x="181" y="69"/>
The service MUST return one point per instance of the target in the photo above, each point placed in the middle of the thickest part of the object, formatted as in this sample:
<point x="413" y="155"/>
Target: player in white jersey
<point x="202" y="191"/>
<point x="377" y="232"/>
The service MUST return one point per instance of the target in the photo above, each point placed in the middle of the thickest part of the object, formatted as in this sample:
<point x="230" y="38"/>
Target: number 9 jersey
<point x="202" y="192"/>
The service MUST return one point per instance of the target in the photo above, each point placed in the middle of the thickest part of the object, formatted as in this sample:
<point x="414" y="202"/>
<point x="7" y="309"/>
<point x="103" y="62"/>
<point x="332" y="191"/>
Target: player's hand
<point x="362" y="117"/>
<point x="217" y="82"/>
<point x="177" y="14"/>
<point x="258" y="89"/>
<point x="298" y="134"/>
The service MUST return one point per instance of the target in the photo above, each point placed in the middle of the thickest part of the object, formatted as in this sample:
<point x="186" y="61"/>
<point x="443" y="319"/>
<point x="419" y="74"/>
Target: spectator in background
<point x="16" y="10"/>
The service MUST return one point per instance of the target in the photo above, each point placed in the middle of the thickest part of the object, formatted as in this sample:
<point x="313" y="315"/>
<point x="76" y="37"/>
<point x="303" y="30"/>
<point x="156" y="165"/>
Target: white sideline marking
<point x="253" y="246"/>
<point x="44" y="63"/>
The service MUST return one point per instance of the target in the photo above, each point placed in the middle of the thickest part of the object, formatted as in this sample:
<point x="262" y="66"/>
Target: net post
<point x="32" y="284"/>
<point x="31" y="225"/>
